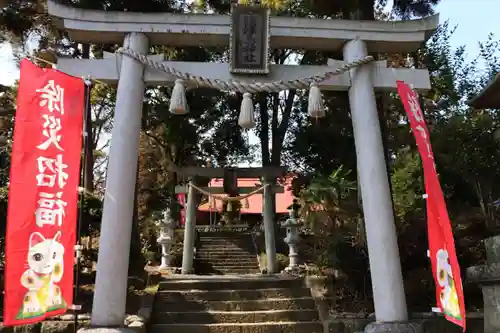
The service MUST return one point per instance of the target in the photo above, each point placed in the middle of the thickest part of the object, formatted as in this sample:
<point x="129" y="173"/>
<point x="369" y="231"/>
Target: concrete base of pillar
<point x="401" y="327"/>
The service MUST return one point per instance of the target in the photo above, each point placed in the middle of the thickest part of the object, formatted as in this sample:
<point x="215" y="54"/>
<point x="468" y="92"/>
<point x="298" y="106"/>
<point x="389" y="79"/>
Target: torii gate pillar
<point x="385" y="266"/>
<point x="114" y="246"/>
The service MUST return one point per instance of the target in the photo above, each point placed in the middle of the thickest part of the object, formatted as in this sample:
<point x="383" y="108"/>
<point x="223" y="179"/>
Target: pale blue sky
<point x="475" y="20"/>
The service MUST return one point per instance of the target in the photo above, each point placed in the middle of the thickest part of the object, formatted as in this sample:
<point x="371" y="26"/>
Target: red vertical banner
<point x="445" y="267"/>
<point x="181" y="198"/>
<point x="43" y="194"/>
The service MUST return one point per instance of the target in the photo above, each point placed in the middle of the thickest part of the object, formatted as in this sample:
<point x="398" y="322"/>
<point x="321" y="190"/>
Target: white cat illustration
<point x="46" y="263"/>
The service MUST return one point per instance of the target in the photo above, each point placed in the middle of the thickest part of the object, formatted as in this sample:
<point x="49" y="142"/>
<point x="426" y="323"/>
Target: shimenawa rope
<point x="234" y="85"/>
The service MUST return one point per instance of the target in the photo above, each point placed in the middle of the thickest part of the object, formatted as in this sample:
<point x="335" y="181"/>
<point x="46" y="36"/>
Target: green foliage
<point x="18" y="18"/>
<point x="407" y="185"/>
<point x="407" y="9"/>
<point x="4" y="192"/>
<point x="463" y="140"/>
<point x="281" y="261"/>
<point x="92" y="213"/>
<point x="331" y="190"/>
<point x="327" y="213"/>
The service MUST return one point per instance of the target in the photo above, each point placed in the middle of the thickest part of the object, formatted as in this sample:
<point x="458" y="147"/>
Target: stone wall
<point x="433" y="323"/>
<point x="65" y="323"/>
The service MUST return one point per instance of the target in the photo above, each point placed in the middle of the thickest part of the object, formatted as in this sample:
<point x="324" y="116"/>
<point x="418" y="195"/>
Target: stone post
<point x="488" y="277"/>
<point x="166" y="238"/>
<point x="292" y="238"/>
<point x="189" y="232"/>
<point x="268" y="215"/>
<point x="112" y="266"/>
<point x="385" y="266"/>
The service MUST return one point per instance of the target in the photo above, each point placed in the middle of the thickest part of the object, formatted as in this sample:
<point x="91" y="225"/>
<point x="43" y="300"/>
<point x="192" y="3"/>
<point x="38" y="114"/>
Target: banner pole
<point x="78" y="247"/>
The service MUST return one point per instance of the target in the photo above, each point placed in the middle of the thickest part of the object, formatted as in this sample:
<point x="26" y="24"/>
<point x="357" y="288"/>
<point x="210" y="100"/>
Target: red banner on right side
<point x="445" y="267"/>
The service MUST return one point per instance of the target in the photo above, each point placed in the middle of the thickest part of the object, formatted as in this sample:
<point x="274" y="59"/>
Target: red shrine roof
<point x="283" y="200"/>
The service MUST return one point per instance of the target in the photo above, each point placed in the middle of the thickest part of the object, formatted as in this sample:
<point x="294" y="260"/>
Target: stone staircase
<point x="237" y="304"/>
<point x="225" y="252"/>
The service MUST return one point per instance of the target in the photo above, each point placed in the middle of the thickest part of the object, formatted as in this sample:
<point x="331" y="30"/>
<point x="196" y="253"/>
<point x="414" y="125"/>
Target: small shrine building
<point x="211" y="211"/>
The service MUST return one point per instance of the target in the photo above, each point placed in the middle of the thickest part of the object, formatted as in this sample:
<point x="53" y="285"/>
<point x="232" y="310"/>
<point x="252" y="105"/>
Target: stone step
<point x="225" y="257"/>
<point x="243" y="240"/>
<point x="271" y="327"/>
<point x="211" y="259"/>
<point x="234" y="251"/>
<point x="214" y="317"/>
<point x="223" y="248"/>
<point x="214" y="262"/>
<point x="248" y="258"/>
<point x="232" y="283"/>
<point x="234" y="268"/>
<point x="224" y="252"/>
<point x="235" y="264"/>
<point x="228" y="264"/>
<point x="204" y="268"/>
<point x="231" y="269"/>
<point x="229" y="283"/>
<point x="247" y="240"/>
<point x="244" y="260"/>
<point x="224" y="242"/>
<point x="223" y="245"/>
<point x="236" y="271"/>
<point x="226" y="233"/>
<point x="230" y="295"/>
<point x="228" y="261"/>
<point x="238" y="241"/>
<point x="234" y="244"/>
<point x="255" y="305"/>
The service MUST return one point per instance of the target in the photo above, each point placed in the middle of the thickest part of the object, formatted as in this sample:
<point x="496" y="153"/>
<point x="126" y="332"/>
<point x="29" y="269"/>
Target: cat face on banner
<point x="45" y="253"/>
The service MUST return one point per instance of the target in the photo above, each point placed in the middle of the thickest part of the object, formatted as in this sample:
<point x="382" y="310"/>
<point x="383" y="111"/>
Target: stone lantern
<point x="166" y="238"/>
<point x="292" y="238"/>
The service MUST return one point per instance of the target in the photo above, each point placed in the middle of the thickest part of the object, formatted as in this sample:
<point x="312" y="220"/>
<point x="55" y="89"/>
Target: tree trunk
<point x="264" y="130"/>
<point x="363" y="10"/>
<point x="89" y="153"/>
<point x="136" y="260"/>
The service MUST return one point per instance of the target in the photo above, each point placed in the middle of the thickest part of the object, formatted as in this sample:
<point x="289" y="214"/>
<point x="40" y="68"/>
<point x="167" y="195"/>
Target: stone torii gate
<point x="137" y="31"/>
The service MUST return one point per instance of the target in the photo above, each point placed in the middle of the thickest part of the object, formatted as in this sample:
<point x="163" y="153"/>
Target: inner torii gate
<point x="356" y="39"/>
<point x="269" y="175"/>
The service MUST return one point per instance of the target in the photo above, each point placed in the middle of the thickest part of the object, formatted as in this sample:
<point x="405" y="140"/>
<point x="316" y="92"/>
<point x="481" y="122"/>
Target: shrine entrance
<point x="234" y="195"/>
<point x="247" y="72"/>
